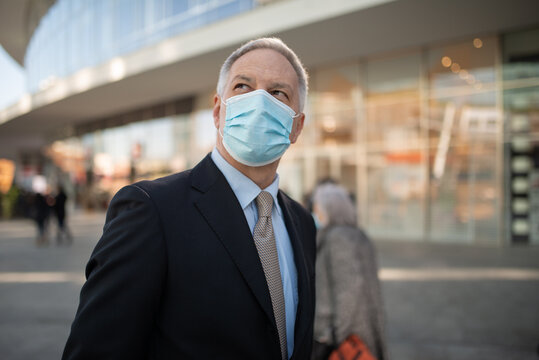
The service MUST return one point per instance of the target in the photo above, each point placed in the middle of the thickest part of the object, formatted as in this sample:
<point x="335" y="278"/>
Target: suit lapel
<point x="222" y="211"/>
<point x="304" y="290"/>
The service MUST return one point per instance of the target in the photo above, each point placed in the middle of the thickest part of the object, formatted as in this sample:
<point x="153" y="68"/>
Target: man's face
<point x="261" y="69"/>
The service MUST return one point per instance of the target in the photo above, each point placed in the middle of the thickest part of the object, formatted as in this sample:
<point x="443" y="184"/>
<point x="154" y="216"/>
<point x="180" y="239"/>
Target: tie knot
<point x="264" y="203"/>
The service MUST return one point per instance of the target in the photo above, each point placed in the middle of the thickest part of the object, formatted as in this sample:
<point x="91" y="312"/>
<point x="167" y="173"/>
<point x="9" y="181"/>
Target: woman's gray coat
<point x="346" y="264"/>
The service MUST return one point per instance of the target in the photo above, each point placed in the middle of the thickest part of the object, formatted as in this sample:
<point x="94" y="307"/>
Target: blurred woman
<point x="348" y="297"/>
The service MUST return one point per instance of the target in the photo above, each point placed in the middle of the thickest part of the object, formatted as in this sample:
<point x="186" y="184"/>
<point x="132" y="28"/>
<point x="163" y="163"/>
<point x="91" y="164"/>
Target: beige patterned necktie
<point x="267" y="251"/>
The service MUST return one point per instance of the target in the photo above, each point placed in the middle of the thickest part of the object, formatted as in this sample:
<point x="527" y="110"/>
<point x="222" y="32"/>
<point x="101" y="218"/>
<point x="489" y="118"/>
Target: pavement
<point x="460" y="302"/>
<point x="443" y="301"/>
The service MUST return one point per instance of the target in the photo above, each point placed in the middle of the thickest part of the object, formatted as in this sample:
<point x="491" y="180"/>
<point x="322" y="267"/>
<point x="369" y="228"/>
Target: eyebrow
<point x="275" y="85"/>
<point x="279" y="85"/>
<point x="242" y="77"/>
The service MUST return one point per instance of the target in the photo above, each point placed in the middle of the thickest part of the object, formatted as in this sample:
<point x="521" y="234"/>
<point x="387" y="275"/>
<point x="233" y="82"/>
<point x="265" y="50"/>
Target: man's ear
<point x="216" y="110"/>
<point x="297" y="127"/>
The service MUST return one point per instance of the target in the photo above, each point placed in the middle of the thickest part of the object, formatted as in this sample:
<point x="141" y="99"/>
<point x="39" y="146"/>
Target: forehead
<point x="265" y="65"/>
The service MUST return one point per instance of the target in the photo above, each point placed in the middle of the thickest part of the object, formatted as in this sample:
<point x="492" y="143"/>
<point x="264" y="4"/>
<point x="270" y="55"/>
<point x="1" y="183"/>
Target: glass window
<point x="328" y="145"/>
<point x="334" y="105"/>
<point x="521" y="104"/>
<point x="124" y="15"/>
<point x="464" y="124"/>
<point x="75" y="33"/>
<point x="396" y="180"/>
<point x="179" y="6"/>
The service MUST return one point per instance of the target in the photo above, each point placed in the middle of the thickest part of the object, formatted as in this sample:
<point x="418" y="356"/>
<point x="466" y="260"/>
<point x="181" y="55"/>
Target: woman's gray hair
<point x="335" y="202"/>
<point x="272" y="44"/>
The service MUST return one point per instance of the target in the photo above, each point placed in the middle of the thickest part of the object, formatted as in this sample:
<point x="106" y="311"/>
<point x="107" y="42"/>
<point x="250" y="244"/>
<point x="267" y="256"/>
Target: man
<point x="214" y="262"/>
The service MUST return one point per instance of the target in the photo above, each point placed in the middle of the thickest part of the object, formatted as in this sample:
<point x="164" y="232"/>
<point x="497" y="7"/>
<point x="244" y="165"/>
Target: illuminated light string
<point x="477" y="43"/>
<point x="457" y="69"/>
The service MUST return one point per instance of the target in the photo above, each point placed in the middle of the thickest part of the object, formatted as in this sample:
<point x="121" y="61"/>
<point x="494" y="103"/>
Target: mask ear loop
<point x="218" y="130"/>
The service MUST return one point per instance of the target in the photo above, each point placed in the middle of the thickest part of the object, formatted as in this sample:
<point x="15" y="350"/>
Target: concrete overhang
<point x="188" y="64"/>
<point x="18" y="20"/>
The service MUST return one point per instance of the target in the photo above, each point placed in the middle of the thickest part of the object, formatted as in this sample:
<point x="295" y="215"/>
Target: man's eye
<point x="279" y="93"/>
<point x="241" y="86"/>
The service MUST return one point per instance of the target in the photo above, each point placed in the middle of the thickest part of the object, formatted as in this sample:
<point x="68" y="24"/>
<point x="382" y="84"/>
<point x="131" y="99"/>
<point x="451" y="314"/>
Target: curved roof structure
<point x="18" y="20"/>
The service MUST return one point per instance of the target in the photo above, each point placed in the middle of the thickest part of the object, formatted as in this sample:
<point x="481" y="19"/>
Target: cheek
<point x="219" y="123"/>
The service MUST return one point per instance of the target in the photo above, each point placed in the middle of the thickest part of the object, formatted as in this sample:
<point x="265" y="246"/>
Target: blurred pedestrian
<point x="59" y="208"/>
<point x="348" y="296"/>
<point x="41" y="215"/>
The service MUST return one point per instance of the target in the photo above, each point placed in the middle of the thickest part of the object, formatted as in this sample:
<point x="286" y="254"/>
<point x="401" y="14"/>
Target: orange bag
<point x="351" y="349"/>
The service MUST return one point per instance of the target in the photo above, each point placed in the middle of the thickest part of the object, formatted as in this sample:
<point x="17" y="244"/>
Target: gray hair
<point x="336" y="204"/>
<point x="272" y="44"/>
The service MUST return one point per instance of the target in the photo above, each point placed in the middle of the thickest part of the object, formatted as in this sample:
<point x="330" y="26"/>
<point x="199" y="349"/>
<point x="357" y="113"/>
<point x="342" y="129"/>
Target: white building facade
<point x="426" y="110"/>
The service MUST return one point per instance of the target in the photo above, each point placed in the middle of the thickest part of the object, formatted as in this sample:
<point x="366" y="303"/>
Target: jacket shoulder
<point x="165" y="184"/>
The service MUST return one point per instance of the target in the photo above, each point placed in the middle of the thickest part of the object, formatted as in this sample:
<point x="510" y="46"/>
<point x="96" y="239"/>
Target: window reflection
<point x="78" y="34"/>
<point x="521" y="104"/>
<point x="416" y="138"/>
<point x="463" y="143"/>
<point x="328" y="145"/>
<point x="103" y="161"/>
<point x="419" y="141"/>
<point x="395" y="160"/>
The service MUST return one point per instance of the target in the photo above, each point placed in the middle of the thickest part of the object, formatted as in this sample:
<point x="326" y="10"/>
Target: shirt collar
<point x="243" y="187"/>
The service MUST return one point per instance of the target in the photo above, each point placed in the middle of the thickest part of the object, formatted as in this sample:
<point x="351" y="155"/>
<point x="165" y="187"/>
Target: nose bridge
<point x="265" y="78"/>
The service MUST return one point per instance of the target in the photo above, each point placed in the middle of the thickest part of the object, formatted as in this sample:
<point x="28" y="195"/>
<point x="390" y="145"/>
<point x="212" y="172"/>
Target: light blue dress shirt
<point x="246" y="192"/>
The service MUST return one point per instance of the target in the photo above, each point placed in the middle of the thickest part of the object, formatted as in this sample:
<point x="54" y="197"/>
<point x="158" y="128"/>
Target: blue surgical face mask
<point x="257" y="128"/>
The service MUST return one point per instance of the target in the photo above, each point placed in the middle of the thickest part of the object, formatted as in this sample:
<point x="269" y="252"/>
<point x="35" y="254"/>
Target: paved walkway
<point x="461" y="302"/>
<point x="39" y="287"/>
<point x="442" y="301"/>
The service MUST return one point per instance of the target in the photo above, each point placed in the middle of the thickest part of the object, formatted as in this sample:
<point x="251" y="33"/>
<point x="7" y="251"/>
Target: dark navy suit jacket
<point x="176" y="275"/>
